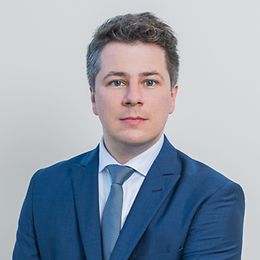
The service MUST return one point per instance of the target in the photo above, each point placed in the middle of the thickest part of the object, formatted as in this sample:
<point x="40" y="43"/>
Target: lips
<point x="133" y="120"/>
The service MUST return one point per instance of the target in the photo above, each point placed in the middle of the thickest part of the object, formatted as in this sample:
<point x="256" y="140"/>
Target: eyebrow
<point x="115" y="73"/>
<point x="123" y="74"/>
<point x="151" y="73"/>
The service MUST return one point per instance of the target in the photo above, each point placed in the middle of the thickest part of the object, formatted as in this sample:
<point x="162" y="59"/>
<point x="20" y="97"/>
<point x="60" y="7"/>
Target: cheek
<point x="104" y="106"/>
<point x="168" y="105"/>
<point x="97" y="104"/>
<point x="163" y="106"/>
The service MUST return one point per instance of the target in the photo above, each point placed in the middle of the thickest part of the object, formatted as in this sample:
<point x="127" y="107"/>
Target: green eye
<point x="150" y="83"/>
<point x="117" y="83"/>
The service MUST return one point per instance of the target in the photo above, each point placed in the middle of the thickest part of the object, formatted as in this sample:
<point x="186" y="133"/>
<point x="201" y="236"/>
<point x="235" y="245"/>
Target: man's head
<point x="132" y="69"/>
<point x="131" y="28"/>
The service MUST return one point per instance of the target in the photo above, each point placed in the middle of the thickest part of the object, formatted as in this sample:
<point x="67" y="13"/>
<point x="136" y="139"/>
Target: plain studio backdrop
<point x="45" y="108"/>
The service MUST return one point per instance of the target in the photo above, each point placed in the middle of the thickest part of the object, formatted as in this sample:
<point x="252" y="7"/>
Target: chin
<point x="138" y="139"/>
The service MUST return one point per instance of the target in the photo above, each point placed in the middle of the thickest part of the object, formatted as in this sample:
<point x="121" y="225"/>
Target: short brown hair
<point x="129" y="28"/>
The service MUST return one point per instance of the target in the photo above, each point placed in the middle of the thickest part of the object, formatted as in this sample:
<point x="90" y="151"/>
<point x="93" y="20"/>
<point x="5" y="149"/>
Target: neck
<point x="123" y="152"/>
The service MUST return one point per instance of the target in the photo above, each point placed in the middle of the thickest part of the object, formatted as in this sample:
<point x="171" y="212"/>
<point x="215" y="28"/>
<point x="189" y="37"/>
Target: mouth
<point x="133" y="120"/>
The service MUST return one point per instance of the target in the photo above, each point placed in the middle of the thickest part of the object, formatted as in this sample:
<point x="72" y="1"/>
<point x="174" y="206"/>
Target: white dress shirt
<point x="131" y="186"/>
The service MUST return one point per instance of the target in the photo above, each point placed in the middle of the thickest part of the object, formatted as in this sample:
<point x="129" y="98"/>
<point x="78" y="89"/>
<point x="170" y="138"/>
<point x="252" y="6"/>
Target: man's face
<point x="133" y="95"/>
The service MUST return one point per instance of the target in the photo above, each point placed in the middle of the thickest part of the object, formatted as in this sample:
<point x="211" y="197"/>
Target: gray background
<point x="45" y="113"/>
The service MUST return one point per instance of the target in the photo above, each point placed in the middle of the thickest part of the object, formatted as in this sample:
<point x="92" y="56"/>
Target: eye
<point x="150" y="83"/>
<point x="117" y="83"/>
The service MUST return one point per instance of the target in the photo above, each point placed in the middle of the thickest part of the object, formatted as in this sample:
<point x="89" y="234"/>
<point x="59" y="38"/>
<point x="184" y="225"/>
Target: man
<point x="166" y="205"/>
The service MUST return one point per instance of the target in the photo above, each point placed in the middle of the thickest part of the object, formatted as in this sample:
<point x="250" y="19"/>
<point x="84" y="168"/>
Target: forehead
<point x="133" y="58"/>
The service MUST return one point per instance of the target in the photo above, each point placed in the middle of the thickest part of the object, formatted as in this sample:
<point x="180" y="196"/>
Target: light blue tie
<point x="111" y="220"/>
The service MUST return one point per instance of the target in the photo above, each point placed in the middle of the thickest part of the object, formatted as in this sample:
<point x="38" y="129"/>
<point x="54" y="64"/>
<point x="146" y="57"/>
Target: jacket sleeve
<point x="217" y="228"/>
<point x="26" y="247"/>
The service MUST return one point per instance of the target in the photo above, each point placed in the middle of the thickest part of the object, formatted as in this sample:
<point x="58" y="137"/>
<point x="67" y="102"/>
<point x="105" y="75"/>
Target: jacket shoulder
<point x="199" y="175"/>
<point x="60" y="169"/>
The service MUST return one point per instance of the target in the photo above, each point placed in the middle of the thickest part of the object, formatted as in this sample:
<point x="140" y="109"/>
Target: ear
<point x="93" y="101"/>
<point x="174" y="91"/>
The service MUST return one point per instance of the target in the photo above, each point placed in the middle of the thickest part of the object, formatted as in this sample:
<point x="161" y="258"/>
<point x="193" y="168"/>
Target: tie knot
<point x="119" y="174"/>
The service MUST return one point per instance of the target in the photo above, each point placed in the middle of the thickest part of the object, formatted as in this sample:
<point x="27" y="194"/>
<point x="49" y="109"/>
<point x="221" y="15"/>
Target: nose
<point x="133" y="95"/>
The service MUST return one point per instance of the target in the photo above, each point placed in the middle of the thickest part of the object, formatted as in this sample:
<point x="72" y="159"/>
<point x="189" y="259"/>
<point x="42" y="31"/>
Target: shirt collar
<point x="141" y="163"/>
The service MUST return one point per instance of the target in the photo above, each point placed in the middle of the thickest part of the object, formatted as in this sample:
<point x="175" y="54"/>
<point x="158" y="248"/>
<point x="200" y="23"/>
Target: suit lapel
<point x="85" y="188"/>
<point x="159" y="182"/>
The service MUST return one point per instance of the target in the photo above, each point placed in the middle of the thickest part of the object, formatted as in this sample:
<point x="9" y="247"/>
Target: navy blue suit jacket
<point x="184" y="210"/>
